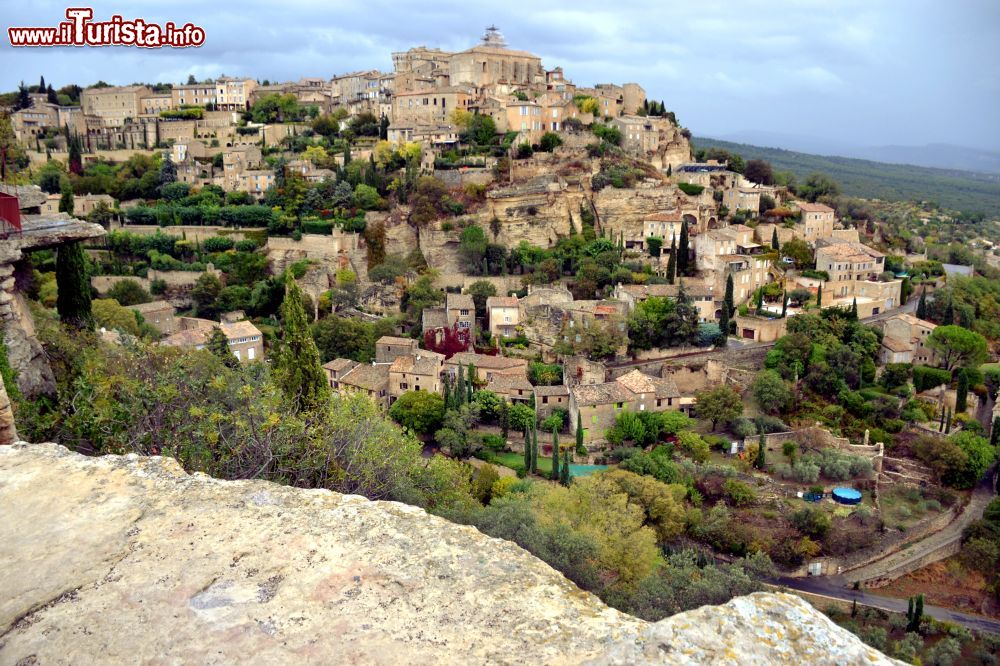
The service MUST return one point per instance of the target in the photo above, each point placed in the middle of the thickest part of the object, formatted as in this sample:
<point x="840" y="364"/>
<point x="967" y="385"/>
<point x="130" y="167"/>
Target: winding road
<point x="835" y="587"/>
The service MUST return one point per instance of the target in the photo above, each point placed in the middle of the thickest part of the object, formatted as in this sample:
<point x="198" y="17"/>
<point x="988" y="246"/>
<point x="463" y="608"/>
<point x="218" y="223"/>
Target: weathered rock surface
<point x="130" y="560"/>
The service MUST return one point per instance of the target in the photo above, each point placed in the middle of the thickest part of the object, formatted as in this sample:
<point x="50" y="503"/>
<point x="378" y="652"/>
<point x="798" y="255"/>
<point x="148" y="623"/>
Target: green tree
<point x="204" y="293"/>
<point x="564" y="474"/>
<point x="957" y="347"/>
<point x="717" y="404"/>
<point x="654" y="244"/>
<point x="799" y="252"/>
<point x="672" y="262"/>
<point x="73" y="285"/>
<point x="581" y="449"/>
<point x="727" y="310"/>
<point x="555" y="455"/>
<point x="129" y="292"/>
<point x="962" y="392"/>
<point x="297" y="370"/>
<point x="760" y="461"/>
<point x="775" y="245"/>
<point x="480" y="290"/>
<point x="817" y="185"/>
<point x="218" y="344"/>
<point x="534" y="450"/>
<point x="922" y="304"/>
<point x="683" y="252"/>
<point x="109" y="314"/>
<point x="771" y="392"/>
<point x="819" y="296"/>
<point x="66" y="199"/>
<point x="420" y="411"/>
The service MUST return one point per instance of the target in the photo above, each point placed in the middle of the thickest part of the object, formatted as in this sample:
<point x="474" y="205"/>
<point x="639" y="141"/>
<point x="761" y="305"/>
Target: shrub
<point x="739" y="493"/>
<point x="219" y="244"/>
<point x="493" y="442"/>
<point x="925" y="377"/>
<point x="690" y="189"/>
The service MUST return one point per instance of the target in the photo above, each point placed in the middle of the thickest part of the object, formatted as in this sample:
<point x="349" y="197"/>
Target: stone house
<point x="245" y="340"/>
<point x="512" y="387"/>
<point x="742" y="198"/>
<point x="760" y="329"/>
<point x="461" y="310"/>
<point x="549" y="398"/>
<point x="487" y="367"/>
<point x="83" y="204"/>
<point x="701" y="293"/>
<point x="817" y="221"/>
<point x="431" y="105"/>
<point x="388" y="348"/>
<point x="597" y="405"/>
<point x="420" y="371"/>
<point x="336" y="369"/>
<point x="372" y="379"/>
<point x="114" y="104"/>
<point x="233" y="94"/>
<point x="504" y="316"/>
<point x="159" y="315"/>
<point x="854" y="271"/>
<point x="904" y="340"/>
<point x="195" y="94"/>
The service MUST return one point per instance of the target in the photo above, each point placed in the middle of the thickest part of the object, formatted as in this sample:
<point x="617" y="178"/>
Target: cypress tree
<point x="949" y="315"/>
<point x="995" y="432"/>
<point x="218" y="344"/>
<point x="75" y="161"/>
<point x="564" y="471"/>
<point x="775" y="245"/>
<point x="760" y="299"/>
<point x="819" y="296"/>
<point x="761" y="460"/>
<point x="555" y="455"/>
<point x="672" y="261"/>
<point x="527" y="450"/>
<point x="727" y="309"/>
<point x="947" y="422"/>
<point x="854" y="308"/>
<point x="534" y="449"/>
<point x="73" y="285"/>
<point x="922" y="304"/>
<point x="579" y="435"/>
<point x="682" y="250"/>
<point x="66" y="204"/>
<point x="784" y="303"/>
<point x="347" y="154"/>
<point x="909" y="613"/>
<point x="297" y="370"/>
<point x="504" y="418"/>
<point x="446" y="390"/>
<point x="941" y="422"/>
<point x="41" y="84"/>
<point x="918" y="612"/>
<point x="460" y="391"/>
<point x="962" y="393"/>
<point x="470" y="383"/>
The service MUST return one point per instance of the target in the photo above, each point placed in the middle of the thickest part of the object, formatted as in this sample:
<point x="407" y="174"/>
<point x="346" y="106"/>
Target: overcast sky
<point x="856" y="71"/>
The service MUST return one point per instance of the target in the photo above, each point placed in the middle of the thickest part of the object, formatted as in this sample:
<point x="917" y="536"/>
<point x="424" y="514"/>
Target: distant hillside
<point x="957" y="190"/>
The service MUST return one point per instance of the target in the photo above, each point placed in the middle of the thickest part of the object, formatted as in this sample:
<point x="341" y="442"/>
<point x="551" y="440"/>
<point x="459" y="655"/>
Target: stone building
<point x="550" y="398"/>
<point x="388" y="348"/>
<point x="487" y="367"/>
<point x="419" y="371"/>
<point x="336" y="369"/>
<point x="428" y="106"/>
<point x="855" y="270"/>
<point x="905" y="340"/>
<point x="504" y="315"/>
<point x="114" y="104"/>
<point x="597" y="405"/>
<point x="461" y="312"/>
<point x="371" y="379"/>
<point x="817" y="221"/>
<point x="245" y="340"/>
<point x="159" y="315"/>
<point x="491" y="62"/>
<point x="760" y="329"/>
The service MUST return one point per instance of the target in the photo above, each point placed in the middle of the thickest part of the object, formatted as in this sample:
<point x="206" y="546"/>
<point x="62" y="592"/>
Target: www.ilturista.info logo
<point x="79" y="30"/>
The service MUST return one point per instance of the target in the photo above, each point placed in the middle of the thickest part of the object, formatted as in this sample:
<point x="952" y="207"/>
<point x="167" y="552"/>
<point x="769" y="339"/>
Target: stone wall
<point x="191" y="232"/>
<point x="130" y="560"/>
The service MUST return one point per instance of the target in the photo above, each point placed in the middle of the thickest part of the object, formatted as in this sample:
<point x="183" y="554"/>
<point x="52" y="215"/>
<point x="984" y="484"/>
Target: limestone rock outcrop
<point x="131" y="560"/>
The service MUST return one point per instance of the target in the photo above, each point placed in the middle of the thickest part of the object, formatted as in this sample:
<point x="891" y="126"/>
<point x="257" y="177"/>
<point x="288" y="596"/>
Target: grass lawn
<point x="515" y="460"/>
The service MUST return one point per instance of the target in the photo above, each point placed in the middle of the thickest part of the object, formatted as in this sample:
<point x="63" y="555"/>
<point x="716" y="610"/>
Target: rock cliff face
<point x="130" y="560"/>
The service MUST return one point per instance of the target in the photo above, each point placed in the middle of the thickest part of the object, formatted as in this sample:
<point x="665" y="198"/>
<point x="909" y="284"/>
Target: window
<point x="463" y="313"/>
<point x="593" y="419"/>
<point x="236" y="353"/>
<point x="250" y="353"/>
<point x="545" y="399"/>
<point x="403" y="386"/>
<point x="619" y="405"/>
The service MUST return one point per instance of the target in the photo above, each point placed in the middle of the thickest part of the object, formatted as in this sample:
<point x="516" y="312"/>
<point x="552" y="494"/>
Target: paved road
<point x="981" y="496"/>
<point x="836" y="587"/>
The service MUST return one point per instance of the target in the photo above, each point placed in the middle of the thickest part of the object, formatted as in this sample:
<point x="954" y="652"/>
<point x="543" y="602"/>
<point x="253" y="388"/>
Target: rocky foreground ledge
<point x="131" y="560"/>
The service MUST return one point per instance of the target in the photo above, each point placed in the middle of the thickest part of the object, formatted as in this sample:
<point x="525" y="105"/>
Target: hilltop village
<point x="513" y="300"/>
